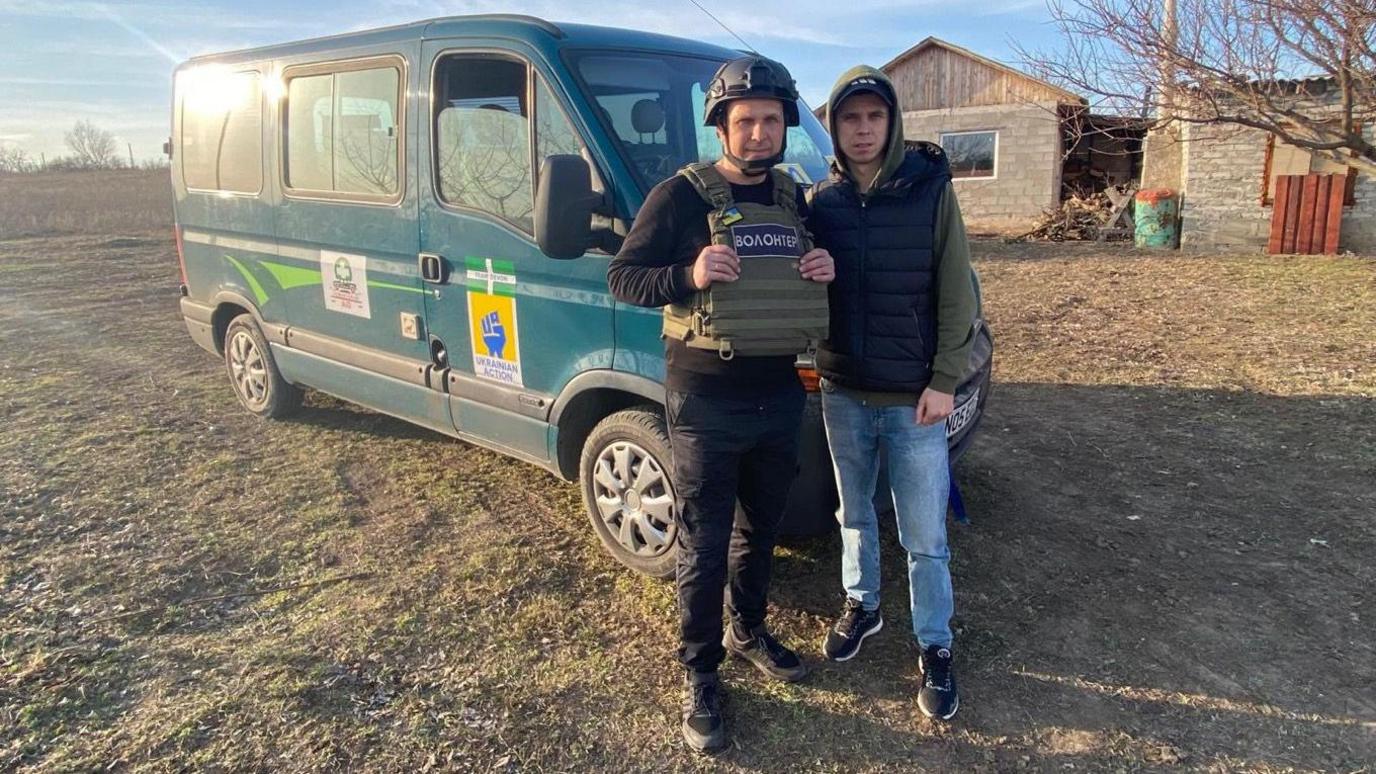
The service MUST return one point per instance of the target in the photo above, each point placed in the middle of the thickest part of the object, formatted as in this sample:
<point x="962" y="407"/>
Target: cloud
<point x="55" y="48"/>
<point x="15" y="80"/>
<point x="145" y="14"/>
<point x="38" y="126"/>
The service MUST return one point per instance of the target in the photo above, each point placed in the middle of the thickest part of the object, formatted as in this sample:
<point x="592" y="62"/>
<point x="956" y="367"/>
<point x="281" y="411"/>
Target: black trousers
<point x="726" y="448"/>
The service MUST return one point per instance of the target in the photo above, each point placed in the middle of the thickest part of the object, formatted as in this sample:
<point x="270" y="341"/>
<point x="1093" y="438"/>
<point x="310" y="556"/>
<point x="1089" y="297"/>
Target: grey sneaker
<point x="766" y="653"/>
<point x="704" y="728"/>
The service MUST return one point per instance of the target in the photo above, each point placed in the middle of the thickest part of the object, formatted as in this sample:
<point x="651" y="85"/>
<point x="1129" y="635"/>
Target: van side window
<point x="221" y="143"/>
<point x="342" y="132"/>
<point x="553" y="132"/>
<point x="482" y="137"/>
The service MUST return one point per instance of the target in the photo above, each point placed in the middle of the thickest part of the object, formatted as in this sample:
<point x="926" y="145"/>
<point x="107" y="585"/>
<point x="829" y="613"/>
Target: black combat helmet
<point x="751" y="77"/>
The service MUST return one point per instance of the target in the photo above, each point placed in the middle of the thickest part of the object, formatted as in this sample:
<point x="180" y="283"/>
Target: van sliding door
<point x="347" y="231"/>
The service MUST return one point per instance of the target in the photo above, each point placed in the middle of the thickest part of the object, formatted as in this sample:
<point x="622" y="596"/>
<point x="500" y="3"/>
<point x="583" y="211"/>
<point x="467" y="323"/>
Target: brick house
<point x="1227" y="177"/>
<point x="1017" y="144"/>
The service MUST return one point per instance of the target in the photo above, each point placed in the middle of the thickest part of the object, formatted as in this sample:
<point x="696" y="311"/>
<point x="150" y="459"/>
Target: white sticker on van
<point x="492" y="323"/>
<point x="344" y="278"/>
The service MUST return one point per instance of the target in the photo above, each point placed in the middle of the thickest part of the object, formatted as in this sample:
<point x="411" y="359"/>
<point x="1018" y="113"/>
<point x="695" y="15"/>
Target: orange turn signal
<point x="810" y="379"/>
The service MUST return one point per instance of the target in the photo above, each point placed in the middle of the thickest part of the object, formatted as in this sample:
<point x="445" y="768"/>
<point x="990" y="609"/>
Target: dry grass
<point x="1169" y="565"/>
<point x="105" y="202"/>
<point x="1277" y="325"/>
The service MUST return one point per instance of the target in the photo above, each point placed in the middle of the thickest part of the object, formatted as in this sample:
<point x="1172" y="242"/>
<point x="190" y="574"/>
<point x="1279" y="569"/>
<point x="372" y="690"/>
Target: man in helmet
<point x="903" y="309"/>
<point x="733" y="399"/>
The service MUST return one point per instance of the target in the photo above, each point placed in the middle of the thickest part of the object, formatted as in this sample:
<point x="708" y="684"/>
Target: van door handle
<point x="434" y="269"/>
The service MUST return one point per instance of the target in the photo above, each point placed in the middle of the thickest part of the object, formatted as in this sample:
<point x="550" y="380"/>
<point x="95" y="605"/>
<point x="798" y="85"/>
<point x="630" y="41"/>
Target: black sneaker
<point x="938" y="697"/>
<point x="855" y="624"/>
<point x="704" y="728"/>
<point x="766" y="653"/>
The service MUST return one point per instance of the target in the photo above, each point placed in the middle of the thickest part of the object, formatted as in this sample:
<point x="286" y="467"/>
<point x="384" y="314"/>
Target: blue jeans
<point x="919" y="475"/>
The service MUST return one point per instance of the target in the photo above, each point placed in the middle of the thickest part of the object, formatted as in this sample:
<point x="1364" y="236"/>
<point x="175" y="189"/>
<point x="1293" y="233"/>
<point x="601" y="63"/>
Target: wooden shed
<point x="1017" y="144"/>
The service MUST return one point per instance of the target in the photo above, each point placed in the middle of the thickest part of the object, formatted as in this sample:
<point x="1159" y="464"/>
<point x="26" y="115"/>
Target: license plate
<point x="962" y="416"/>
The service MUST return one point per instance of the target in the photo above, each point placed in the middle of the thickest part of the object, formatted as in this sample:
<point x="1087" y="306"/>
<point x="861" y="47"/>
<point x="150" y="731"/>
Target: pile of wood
<point x="1084" y="217"/>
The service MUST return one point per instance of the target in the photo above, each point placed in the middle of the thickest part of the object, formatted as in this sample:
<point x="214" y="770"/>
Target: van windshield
<point x="652" y="107"/>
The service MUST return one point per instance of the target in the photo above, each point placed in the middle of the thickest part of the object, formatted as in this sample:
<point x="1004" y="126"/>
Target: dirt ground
<point x="1169" y="565"/>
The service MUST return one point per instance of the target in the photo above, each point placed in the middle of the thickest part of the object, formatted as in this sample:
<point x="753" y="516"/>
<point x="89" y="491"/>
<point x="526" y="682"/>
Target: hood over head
<point x="866" y="78"/>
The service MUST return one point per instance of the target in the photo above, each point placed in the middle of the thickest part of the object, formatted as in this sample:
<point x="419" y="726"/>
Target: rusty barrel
<point x="1154" y="215"/>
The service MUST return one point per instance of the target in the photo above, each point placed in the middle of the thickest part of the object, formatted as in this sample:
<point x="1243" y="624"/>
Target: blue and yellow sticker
<point x="492" y="321"/>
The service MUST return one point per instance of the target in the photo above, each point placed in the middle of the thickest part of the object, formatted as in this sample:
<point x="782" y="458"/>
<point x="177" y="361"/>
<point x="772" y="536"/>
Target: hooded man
<point x="733" y="402"/>
<point x="903" y="307"/>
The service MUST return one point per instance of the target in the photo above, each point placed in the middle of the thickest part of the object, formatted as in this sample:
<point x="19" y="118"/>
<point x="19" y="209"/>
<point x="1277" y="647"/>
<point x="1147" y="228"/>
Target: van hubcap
<point x="634" y="498"/>
<point x="247" y="369"/>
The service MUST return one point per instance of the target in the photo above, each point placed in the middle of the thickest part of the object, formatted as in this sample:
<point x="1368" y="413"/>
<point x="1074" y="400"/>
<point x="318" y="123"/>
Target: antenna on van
<point x="723" y="26"/>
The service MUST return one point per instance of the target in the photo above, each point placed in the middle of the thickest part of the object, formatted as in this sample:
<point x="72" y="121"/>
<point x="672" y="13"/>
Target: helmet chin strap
<point x="755" y="166"/>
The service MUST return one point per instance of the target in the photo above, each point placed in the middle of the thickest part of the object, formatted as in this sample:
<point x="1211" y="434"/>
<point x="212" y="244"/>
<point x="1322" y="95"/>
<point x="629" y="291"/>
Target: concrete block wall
<point x="1027" y="167"/>
<point x="1359" y="220"/>
<point x="1222" y="183"/>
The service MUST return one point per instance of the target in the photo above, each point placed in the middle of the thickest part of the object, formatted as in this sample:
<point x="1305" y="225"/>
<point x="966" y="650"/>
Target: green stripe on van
<point x="258" y="294"/>
<point x="390" y="286"/>
<point x="290" y="276"/>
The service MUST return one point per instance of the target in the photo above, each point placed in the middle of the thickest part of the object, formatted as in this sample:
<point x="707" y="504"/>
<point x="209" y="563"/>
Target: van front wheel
<point x="253" y="373"/>
<point x="628" y="490"/>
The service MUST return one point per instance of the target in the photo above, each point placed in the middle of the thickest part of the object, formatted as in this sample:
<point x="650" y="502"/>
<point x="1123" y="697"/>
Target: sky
<point x="62" y="61"/>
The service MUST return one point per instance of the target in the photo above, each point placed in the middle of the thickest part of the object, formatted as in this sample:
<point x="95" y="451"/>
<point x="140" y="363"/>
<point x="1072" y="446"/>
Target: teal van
<point x="418" y="219"/>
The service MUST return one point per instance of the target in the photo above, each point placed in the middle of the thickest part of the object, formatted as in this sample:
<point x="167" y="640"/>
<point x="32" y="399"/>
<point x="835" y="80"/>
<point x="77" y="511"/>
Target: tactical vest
<point x="770" y="309"/>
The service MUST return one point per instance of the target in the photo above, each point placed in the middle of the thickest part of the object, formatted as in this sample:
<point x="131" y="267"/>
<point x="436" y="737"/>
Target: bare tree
<point x="14" y="160"/>
<point x="1303" y="70"/>
<point x="92" y="147"/>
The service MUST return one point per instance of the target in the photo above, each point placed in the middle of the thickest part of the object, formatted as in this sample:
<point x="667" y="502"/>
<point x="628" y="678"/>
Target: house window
<point x="972" y="154"/>
<point x="1285" y="159"/>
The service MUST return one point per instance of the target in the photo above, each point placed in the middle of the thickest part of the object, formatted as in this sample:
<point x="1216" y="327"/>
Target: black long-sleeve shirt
<point x="654" y="268"/>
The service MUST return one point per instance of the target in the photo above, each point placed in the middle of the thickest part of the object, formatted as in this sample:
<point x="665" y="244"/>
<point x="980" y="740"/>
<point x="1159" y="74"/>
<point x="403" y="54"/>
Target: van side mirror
<point x="563" y="206"/>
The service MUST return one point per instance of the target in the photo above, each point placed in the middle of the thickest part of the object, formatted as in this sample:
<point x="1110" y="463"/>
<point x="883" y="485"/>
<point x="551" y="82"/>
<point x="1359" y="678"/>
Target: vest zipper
<point x="864" y="287"/>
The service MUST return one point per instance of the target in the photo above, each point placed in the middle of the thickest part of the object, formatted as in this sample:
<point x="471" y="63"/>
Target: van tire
<point x="613" y="468"/>
<point x="253" y="372"/>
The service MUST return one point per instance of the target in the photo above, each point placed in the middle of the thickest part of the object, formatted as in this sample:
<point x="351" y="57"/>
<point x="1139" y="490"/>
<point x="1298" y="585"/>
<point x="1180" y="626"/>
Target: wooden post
<point x="1304" y="237"/>
<point x="1166" y="68"/>
<point x="1319" y="227"/>
<point x="1292" y="214"/>
<point x="1276" y="244"/>
<point x="1334" y="225"/>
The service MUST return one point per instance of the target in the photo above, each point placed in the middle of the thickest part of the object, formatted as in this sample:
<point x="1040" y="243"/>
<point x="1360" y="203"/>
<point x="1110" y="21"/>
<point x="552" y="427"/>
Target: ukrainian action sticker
<point x="492" y="320"/>
<point x="766" y="240"/>
<point x="344" y="278"/>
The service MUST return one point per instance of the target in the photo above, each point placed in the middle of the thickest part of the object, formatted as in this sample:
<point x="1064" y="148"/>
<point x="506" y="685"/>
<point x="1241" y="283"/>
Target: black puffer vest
<point x="883" y="300"/>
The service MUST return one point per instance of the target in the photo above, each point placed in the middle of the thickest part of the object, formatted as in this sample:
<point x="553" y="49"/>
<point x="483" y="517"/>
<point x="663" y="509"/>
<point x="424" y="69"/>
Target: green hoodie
<point x="893" y="151"/>
<point x="957" y="300"/>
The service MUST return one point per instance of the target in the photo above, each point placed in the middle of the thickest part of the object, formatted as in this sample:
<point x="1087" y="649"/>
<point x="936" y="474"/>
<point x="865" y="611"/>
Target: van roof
<point x="529" y="29"/>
